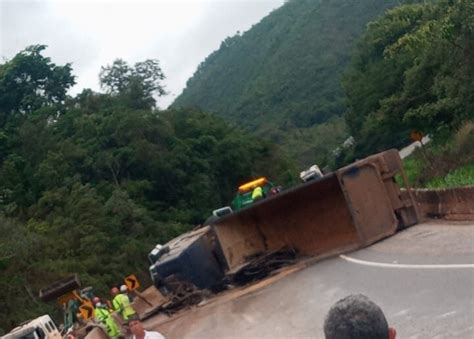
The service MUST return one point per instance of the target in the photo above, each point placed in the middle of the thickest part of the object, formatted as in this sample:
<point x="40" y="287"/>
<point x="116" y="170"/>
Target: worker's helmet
<point x="114" y="291"/>
<point x="123" y="289"/>
<point x="96" y="300"/>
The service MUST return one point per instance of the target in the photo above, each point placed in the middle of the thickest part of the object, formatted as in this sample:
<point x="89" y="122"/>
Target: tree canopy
<point x="92" y="190"/>
<point x="137" y="85"/>
<point x="412" y="70"/>
<point x="30" y="81"/>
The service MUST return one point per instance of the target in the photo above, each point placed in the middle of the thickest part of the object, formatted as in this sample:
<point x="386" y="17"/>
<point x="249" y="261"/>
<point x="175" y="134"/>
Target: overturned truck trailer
<point x="347" y="209"/>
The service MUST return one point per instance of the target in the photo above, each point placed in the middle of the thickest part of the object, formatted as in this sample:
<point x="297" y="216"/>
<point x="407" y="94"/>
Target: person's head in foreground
<point x="357" y="317"/>
<point x="136" y="326"/>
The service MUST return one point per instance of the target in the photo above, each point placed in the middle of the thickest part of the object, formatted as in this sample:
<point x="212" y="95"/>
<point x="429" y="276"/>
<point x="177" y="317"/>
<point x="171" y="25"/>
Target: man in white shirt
<point x="136" y="327"/>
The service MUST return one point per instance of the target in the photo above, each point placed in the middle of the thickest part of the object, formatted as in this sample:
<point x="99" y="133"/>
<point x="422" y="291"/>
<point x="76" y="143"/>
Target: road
<point x="423" y="279"/>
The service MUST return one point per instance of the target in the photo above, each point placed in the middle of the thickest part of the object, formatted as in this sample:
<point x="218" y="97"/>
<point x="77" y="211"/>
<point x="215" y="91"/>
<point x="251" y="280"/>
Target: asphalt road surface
<point x="423" y="279"/>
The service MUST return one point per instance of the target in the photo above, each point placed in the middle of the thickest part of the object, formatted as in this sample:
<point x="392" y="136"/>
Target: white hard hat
<point x="123" y="288"/>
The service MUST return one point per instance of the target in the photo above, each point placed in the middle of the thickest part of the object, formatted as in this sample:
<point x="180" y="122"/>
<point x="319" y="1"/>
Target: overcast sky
<point x="90" y="34"/>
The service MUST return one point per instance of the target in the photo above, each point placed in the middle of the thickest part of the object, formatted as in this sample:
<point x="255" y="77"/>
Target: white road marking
<point x="401" y="313"/>
<point x="417" y="266"/>
<point x="248" y="318"/>
<point x="445" y="315"/>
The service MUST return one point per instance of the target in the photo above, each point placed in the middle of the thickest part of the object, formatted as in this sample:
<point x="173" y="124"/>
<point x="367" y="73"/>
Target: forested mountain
<point x="90" y="184"/>
<point x="282" y="78"/>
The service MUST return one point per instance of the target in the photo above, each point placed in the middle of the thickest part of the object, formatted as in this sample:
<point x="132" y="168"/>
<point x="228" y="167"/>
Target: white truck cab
<point x="311" y="173"/>
<point x="40" y="328"/>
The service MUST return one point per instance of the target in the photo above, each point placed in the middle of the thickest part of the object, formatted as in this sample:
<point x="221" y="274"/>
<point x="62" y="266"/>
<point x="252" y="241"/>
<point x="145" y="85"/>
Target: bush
<point x="449" y="165"/>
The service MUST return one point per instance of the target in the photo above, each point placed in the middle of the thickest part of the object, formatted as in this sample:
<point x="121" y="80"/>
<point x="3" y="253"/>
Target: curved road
<point x="423" y="278"/>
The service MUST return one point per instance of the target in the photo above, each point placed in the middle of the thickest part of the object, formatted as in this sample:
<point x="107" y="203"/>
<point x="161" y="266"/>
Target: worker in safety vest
<point x="121" y="303"/>
<point x="257" y="193"/>
<point x="102" y="315"/>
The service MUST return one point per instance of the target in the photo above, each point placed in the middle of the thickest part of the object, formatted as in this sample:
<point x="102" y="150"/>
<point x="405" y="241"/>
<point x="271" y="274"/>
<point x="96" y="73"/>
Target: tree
<point x="412" y="70"/>
<point x="137" y="85"/>
<point x="30" y="81"/>
<point x="93" y="190"/>
<point x="115" y="78"/>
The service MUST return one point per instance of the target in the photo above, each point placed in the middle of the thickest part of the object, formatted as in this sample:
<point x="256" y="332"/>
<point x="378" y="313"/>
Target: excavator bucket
<point x="60" y="288"/>
<point x="347" y="209"/>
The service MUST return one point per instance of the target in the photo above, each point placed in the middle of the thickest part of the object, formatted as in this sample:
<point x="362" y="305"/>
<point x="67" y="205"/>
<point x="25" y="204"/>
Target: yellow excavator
<point x="73" y="300"/>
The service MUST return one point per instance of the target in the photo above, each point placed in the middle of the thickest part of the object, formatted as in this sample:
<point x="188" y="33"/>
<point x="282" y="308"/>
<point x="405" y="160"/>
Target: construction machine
<point x="243" y="196"/>
<point x="71" y="297"/>
<point x="42" y="327"/>
<point x="74" y="301"/>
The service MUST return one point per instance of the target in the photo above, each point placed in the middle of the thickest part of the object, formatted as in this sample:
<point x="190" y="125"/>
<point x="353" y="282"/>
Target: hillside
<point x="281" y="79"/>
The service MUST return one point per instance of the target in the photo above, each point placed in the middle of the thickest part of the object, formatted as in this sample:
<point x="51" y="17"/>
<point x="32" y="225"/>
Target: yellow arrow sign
<point x="132" y="282"/>
<point x="416" y="136"/>
<point x="87" y="310"/>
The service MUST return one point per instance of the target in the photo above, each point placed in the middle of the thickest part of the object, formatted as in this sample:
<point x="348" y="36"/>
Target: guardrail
<point x="447" y="203"/>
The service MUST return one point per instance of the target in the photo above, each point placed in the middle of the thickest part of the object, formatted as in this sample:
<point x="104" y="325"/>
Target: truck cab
<point x="40" y="328"/>
<point x="311" y="173"/>
<point x="243" y="197"/>
<point x="194" y="257"/>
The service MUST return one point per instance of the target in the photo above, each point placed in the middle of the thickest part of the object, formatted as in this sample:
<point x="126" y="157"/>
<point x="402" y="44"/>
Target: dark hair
<point x="355" y="317"/>
<point x="132" y="318"/>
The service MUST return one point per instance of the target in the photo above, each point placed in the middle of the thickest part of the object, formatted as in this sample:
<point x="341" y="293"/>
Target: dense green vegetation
<point x="447" y="165"/>
<point x="462" y="176"/>
<point x="282" y="78"/>
<point x="90" y="184"/>
<point x="412" y="70"/>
